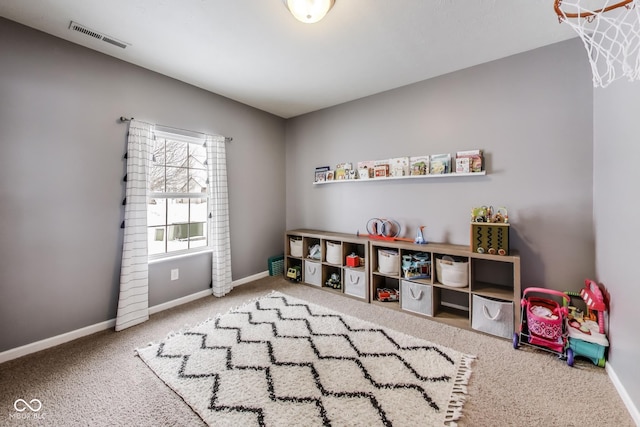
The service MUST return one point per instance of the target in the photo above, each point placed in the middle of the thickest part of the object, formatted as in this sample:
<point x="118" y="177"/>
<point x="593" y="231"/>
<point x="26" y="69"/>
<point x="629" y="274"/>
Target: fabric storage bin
<point x="313" y="273"/>
<point x="334" y="253"/>
<point x="494" y="317"/>
<point x="416" y="297"/>
<point x="355" y="283"/>
<point x="295" y="247"/>
<point x="452" y="273"/>
<point x="388" y="262"/>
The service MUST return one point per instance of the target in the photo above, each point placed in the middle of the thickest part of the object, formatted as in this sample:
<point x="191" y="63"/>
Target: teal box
<point x="276" y="265"/>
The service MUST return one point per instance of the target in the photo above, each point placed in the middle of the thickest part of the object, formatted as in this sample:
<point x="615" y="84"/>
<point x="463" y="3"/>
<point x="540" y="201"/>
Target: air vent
<point x="74" y="26"/>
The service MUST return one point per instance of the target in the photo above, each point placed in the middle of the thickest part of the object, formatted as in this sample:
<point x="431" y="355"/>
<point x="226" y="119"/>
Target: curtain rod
<point x="128" y="119"/>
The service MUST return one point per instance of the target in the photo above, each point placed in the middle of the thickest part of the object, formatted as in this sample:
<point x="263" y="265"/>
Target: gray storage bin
<point x="355" y="283"/>
<point x="494" y="317"/>
<point x="313" y="273"/>
<point x="416" y="297"/>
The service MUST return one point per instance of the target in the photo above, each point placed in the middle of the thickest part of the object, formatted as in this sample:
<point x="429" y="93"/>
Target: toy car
<point x="294" y="273"/>
<point x="386" y="295"/>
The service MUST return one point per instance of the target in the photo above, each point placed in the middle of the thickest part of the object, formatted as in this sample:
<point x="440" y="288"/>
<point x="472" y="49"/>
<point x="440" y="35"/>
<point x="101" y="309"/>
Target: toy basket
<point x="451" y="272"/>
<point x="295" y="246"/>
<point x="334" y="253"/>
<point x="276" y="265"/>
<point x="544" y="318"/>
<point x="388" y="262"/>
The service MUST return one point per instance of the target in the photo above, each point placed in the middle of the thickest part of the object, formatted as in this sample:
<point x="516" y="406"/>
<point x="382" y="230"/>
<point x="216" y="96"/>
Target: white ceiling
<point x="255" y="52"/>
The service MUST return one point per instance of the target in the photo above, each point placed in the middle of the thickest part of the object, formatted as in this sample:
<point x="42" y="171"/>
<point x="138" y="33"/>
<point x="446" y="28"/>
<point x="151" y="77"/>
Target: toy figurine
<point x="420" y="240"/>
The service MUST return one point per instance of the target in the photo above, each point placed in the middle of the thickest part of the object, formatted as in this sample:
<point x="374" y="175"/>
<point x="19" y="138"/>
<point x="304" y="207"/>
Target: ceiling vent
<point x="74" y="26"/>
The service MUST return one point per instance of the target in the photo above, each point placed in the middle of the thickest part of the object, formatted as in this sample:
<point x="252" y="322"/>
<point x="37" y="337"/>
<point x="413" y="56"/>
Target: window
<point x="178" y="203"/>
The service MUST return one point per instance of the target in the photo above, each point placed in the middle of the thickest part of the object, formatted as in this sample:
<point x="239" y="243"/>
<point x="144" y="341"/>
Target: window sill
<point x="172" y="257"/>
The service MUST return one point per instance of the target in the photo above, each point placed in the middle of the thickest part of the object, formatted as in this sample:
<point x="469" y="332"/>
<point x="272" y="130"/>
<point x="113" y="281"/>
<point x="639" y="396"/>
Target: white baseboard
<point x="631" y="407"/>
<point x="250" y="278"/>
<point x="14" y="353"/>
<point x="24" y="350"/>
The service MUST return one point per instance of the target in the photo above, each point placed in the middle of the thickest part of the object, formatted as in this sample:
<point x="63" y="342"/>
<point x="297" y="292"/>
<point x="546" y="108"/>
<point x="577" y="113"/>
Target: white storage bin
<point x="334" y="253"/>
<point x="388" y="262"/>
<point x="295" y="246"/>
<point x="313" y="273"/>
<point x="355" y="283"/>
<point x="416" y="297"/>
<point x="492" y="316"/>
<point x="452" y="273"/>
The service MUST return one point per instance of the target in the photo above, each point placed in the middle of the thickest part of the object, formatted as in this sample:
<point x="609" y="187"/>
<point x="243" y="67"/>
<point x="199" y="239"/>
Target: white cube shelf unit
<point x="492" y="277"/>
<point x="477" y="279"/>
<point x="332" y="259"/>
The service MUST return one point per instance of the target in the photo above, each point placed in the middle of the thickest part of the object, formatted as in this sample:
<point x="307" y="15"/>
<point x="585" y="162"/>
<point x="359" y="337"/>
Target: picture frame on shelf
<point x="321" y="173"/>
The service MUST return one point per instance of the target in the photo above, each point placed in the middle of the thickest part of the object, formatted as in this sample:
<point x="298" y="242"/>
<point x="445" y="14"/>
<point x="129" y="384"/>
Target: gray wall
<point x="617" y="229"/>
<point x="532" y="115"/>
<point x="61" y="170"/>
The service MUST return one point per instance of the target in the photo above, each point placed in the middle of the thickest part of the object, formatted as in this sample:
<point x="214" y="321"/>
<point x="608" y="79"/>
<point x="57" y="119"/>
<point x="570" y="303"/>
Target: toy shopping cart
<point x="542" y="323"/>
<point x="586" y="328"/>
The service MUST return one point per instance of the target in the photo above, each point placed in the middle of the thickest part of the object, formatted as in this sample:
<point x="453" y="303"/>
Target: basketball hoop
<point x="610" y="33"/>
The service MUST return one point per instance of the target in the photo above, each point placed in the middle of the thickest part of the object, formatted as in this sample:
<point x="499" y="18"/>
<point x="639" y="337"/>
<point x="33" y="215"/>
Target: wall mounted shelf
<point x="443" y="175"/>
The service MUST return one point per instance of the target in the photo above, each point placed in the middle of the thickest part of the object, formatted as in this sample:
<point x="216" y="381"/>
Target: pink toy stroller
<point x="542" y="323"/>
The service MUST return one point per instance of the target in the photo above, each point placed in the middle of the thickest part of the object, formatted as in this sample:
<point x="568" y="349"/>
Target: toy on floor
<point x="587" y="331"/>
<point x="542" y="323"/>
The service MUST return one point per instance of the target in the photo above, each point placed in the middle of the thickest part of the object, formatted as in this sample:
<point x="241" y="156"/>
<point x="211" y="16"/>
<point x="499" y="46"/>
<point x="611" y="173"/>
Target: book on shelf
<point x="399" y="166"/>
<point x="366" y="169"/>
<point x="440" y="164"/>
<point x="463" y="164"/>
<point x="419" y="165"/>
<point x="321" y="173"/>
<point x="342" y="171"/>
<point x="475" y="159"/>
<point x="381" y="169"/>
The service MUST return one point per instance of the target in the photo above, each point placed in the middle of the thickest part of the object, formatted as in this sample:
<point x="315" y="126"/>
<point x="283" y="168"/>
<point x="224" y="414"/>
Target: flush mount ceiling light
<point x="309" y="11"/>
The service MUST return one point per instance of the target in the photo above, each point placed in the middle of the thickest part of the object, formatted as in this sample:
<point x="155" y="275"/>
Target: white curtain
<point x="133" y="304"/>
<point x="218" y="222"/>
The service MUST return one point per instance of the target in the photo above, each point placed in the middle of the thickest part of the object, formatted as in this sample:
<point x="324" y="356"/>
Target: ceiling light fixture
<point x="309" y="11"/>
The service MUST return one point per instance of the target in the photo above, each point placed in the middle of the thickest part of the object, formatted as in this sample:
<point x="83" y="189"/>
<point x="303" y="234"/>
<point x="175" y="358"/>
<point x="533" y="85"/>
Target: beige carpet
<point x="98" y="381"/>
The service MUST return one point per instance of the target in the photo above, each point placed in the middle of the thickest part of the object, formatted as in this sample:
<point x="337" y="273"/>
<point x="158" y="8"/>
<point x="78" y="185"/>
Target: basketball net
<point x="610" y="33"/>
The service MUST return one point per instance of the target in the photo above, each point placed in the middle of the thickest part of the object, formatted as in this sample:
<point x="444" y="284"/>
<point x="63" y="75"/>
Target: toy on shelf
<point x="486" y="214"/>
<point x="416" y="266"/>
<point x="490" y="231"/>
<point x="383" y="229"/>
<point x="388" y="295"/>
<point x="587" y="330"/>
<point x="294" y="273"/>
<point x="420" y="240"/>
<point x="334" y="281"/>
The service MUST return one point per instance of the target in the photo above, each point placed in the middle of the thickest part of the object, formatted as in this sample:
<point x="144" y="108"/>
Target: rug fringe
<point x="459" y="391"/>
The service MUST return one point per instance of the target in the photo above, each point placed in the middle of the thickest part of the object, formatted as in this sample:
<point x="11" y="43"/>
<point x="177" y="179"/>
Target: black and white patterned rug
<point x="280" y="361"/>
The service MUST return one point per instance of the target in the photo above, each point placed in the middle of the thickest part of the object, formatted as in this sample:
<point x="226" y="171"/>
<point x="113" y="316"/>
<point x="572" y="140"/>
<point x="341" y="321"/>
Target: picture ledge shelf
<point x="442" y="175"/>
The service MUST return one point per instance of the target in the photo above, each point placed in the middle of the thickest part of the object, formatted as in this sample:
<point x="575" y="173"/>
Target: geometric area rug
<point x="281" y="361"/>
